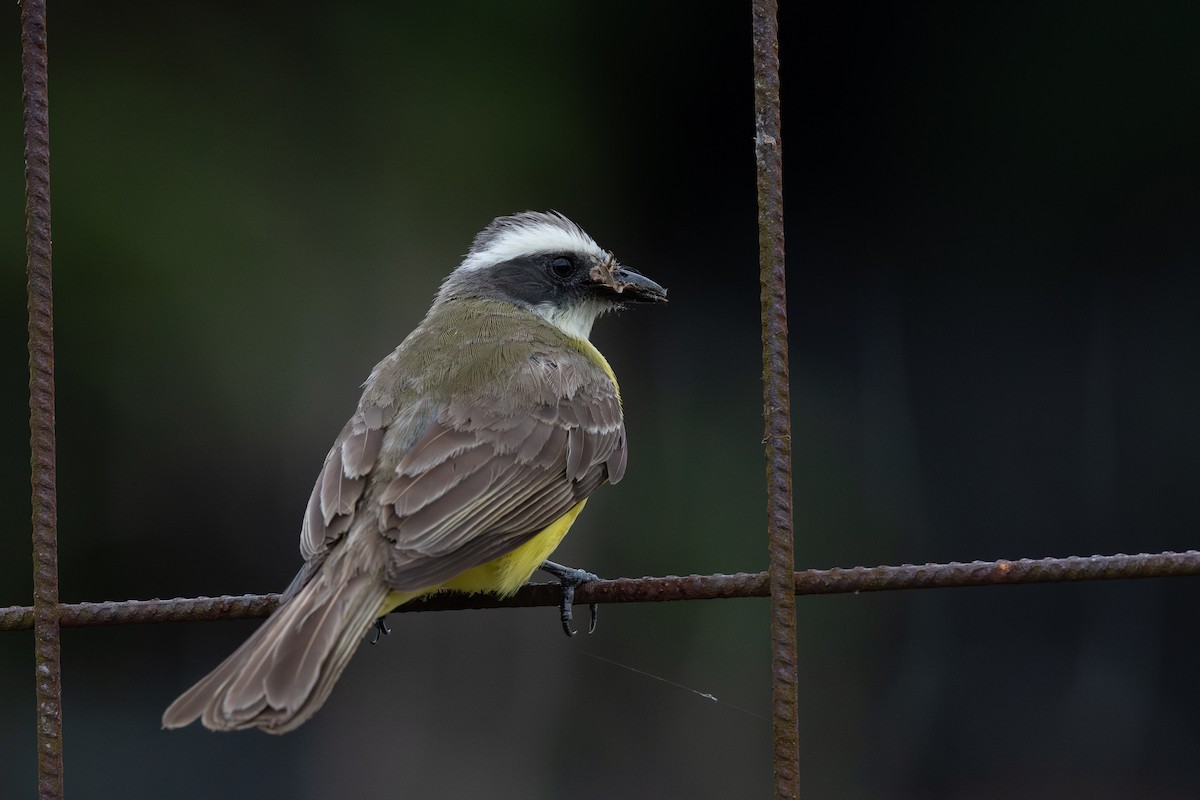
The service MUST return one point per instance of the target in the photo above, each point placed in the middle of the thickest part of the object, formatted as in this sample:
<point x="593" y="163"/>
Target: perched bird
<point x="474" y="447"/>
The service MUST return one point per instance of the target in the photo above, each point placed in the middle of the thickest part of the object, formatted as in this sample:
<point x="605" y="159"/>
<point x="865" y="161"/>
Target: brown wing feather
<point x="339" y="487"/>
<point x="491" y="472"/>
<point x="411" y="497"/>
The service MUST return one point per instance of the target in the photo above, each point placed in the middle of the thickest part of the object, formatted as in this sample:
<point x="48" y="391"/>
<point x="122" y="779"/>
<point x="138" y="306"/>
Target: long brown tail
<point x="282" y="674"/>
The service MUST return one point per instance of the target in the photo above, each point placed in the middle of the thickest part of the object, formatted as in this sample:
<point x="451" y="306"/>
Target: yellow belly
<point x="505" y="574"/>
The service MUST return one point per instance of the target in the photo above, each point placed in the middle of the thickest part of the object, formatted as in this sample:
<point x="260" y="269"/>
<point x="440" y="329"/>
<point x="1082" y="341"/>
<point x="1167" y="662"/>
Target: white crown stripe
<point x="527" y="237"/>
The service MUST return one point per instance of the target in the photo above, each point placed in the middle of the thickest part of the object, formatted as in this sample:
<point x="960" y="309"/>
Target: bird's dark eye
<point x="562" y="266"/>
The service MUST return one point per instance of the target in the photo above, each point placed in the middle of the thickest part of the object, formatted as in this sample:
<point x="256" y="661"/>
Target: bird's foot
<point x="381" y="630"/>
<point x="570" y="577"/>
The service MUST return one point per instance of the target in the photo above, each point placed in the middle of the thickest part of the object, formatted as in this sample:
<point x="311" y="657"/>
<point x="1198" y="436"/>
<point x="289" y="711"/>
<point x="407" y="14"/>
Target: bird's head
<point x="544" y="262"/>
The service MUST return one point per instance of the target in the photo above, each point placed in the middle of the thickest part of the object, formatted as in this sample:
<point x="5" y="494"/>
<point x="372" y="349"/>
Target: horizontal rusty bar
<point x="839" y="580"/>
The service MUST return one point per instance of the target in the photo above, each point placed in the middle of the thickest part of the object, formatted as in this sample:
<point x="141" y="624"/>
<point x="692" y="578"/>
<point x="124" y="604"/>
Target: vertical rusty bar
<point x="41" y="398"/>
<point x="776" y="399"/>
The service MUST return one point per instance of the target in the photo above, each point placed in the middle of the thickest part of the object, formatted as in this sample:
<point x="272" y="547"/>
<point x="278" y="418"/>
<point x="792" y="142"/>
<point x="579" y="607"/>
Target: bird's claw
<point x="570" y="578"/>
<point x="381" y="629"/>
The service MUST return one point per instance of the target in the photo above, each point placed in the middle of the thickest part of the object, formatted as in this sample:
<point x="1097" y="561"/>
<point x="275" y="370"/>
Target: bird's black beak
<point x="625" y="285"/>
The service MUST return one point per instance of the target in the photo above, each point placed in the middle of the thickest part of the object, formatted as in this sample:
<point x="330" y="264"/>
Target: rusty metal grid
<point x="780" y="582"/>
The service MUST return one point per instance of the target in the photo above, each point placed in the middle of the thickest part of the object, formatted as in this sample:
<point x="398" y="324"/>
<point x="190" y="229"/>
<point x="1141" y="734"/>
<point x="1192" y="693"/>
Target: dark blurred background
<point x="992" y="250"/>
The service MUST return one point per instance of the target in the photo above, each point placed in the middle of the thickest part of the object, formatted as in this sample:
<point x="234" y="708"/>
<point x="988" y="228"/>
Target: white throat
<point x="575" y="320"/>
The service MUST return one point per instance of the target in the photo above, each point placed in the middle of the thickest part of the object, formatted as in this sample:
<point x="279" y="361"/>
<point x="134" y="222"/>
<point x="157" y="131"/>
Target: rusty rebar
<point x="48" y="666"/>
<point x="777" y="439"/>
<point x="839" y="580"/>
